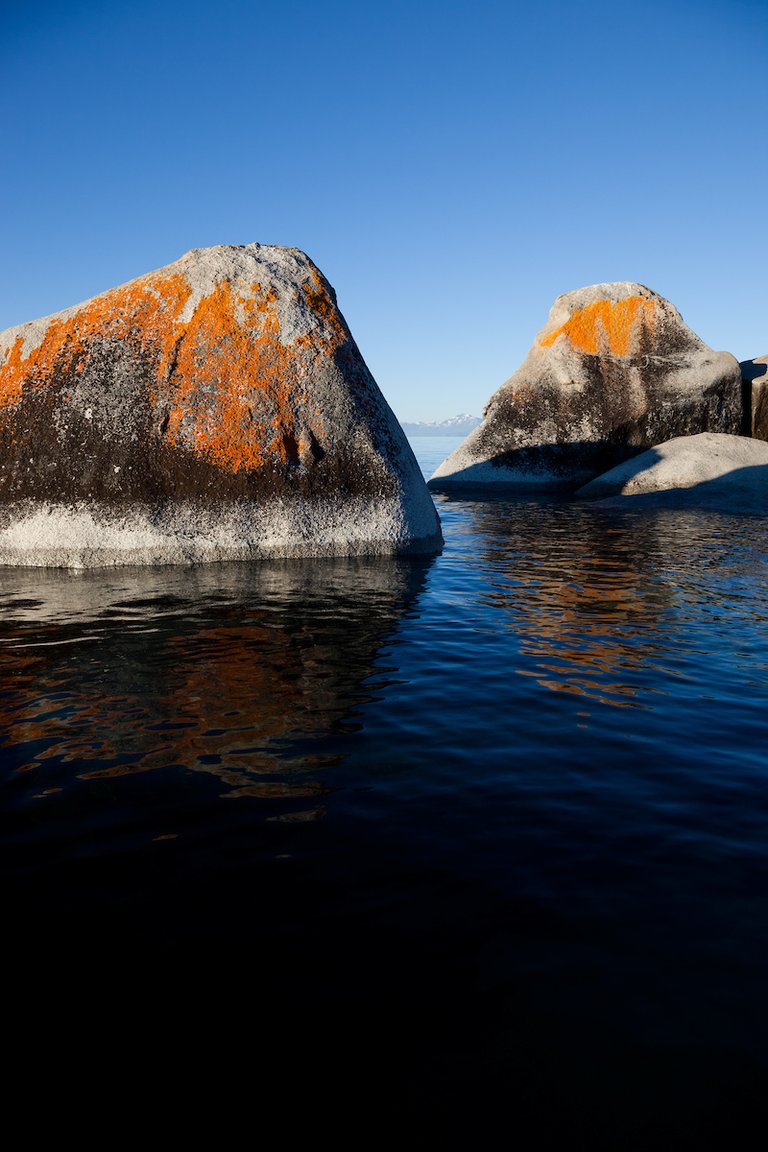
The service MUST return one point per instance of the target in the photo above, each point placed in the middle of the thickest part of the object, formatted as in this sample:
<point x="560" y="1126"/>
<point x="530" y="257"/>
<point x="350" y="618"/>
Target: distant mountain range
<point x="460" y="425"/>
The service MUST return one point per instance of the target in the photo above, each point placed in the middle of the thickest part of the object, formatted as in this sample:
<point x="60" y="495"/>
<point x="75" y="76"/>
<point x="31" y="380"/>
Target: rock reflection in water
<point x="598" y="598"/>
<point x="234" y="670"/>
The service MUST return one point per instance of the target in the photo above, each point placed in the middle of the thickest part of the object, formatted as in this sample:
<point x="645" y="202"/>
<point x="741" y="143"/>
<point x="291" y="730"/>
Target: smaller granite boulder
<point x="712" y="470"/>
<point x="754" y="373"/>
<point x="614" y="370"/>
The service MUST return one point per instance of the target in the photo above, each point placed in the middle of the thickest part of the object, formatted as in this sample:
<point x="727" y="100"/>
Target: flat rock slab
<point x="710" y="470"/>
<point x="217" y="408"/>
<point x="614" y="370"/>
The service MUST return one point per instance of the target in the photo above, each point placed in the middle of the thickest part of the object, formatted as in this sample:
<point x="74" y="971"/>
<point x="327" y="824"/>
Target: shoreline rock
<point x="754" y="374"/>
<point x="711" y="470"/>
<point x="614" y="370"/>
<point x="217" y="408"/>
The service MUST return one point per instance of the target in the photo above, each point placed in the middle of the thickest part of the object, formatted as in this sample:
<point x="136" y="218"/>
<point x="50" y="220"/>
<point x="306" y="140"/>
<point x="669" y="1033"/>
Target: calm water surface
<point x="473" y="840"/>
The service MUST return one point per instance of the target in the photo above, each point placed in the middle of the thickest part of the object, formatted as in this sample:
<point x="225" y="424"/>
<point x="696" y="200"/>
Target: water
<point x="472" y="841"/>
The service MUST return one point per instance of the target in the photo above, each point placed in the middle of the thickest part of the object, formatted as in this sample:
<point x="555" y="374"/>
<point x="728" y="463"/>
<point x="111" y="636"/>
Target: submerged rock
<point x="754" y="373"/>
<point x="215" y="409"/>
<point x="613" y="371"/>
<point x="712" y="470"/>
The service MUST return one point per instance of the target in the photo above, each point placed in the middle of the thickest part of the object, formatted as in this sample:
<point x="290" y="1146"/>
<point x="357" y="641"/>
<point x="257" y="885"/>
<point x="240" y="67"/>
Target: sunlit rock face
<point x="710" y="470"/>
<point x="754" y="374"/>
<point x="613" y="371"/>
<point x="218" y="408"/>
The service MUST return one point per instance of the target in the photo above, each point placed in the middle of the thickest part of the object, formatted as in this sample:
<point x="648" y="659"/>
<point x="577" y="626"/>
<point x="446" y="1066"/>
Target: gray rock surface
<point x="754" y="373"/>
<point x="614" y="371"/>
<point x="217" y="408"/>
<point x="711" y="470"/>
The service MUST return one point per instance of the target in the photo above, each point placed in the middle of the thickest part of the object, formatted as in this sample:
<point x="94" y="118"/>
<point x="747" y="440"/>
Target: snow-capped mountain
<point x="460" y="425"/>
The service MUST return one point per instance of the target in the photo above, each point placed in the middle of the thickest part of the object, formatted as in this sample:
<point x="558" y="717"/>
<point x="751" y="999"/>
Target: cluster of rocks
<point x="617" y="386"/>
<point x="219" y="408"/>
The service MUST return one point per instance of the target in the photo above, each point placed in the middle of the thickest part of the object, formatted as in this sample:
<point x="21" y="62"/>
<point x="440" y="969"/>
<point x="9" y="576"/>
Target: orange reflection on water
<point x="584" y="606"/>
<point x="242" y="692"/>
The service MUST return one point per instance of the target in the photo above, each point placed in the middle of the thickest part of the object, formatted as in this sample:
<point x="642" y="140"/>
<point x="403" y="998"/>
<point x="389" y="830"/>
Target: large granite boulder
<point x="710" y="470"/>
<point x="613" y="371"/>
<point x="754" y="374"/>
<point x="215" y="409"/>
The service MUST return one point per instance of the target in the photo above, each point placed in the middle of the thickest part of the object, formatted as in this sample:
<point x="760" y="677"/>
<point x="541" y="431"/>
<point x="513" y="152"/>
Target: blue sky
<point x="451" y="167"/>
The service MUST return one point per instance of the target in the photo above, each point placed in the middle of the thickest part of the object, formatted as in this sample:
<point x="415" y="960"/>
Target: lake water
<point x="478" y="841"/>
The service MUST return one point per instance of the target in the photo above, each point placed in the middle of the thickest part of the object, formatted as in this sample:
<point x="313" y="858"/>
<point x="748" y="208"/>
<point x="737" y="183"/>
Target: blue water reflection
<point x="502" y="811"/>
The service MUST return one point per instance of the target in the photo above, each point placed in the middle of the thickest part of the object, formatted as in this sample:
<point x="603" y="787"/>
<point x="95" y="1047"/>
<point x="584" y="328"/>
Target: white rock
<point x="712" y="470"/>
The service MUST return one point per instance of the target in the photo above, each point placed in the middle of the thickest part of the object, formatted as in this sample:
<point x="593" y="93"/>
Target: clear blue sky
<point x="451" y="167"/>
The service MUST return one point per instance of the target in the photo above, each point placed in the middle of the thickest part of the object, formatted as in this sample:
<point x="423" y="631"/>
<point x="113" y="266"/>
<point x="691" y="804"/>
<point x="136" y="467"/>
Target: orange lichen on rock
<point x="144" y="312"/>
<point x="231" y="400"/>
<point x="607" y="327"/>
<point x="238" y="391"/>
<point x="319" y="300"/>
<point x="12" y="375"/>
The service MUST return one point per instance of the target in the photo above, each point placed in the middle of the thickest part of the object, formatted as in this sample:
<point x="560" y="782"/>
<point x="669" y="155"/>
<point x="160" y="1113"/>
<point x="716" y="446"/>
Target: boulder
<point x="754" y="374"/>
<point x="217" y="408"/>
<point x="711" y="470"/>
<point x="613" y="371"/>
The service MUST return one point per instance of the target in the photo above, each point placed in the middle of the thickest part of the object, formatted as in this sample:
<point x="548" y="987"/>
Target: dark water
<point x="477" y="843"/>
